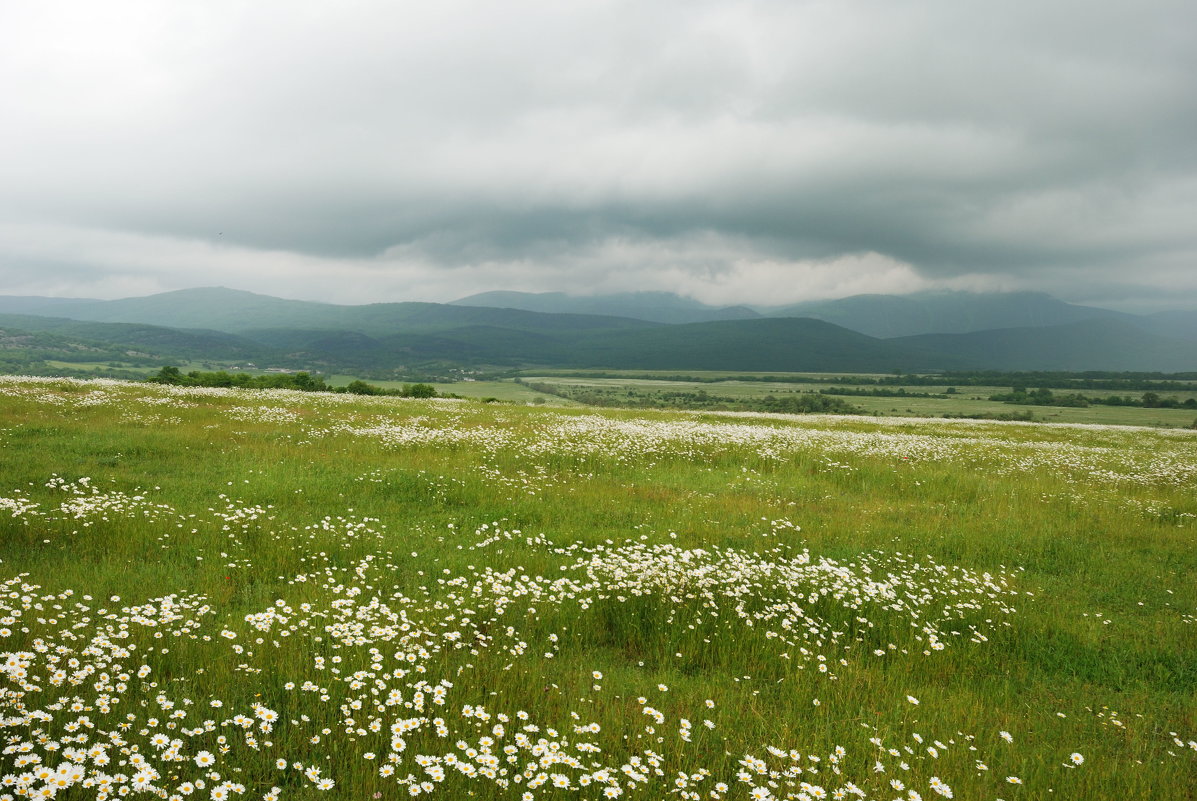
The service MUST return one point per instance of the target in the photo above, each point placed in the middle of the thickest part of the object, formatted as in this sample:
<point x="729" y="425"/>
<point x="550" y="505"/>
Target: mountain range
<point x="882" y="316"/>
<point x="649" y="330"/>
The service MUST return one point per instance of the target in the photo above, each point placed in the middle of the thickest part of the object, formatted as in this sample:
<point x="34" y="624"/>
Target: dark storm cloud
<point x="380" y="150"/>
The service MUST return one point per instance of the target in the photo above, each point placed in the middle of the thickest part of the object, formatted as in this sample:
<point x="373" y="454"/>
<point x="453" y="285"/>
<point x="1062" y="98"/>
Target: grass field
<point x="222" y="594"/>
<point x="499" y="390"/>
<point x="966" y="401"/>
<point x="96" y="366"/>
<point x="101" y="366"/>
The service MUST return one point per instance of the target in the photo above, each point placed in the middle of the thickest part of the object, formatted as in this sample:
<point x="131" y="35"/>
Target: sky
<point x="735" y="152"/>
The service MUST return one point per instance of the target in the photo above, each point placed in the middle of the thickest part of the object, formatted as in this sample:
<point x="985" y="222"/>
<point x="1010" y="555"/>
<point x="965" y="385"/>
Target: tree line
<point x="1090" y="379"/>
<point x="1045" y="397"/>
<point x="302" y="381"/>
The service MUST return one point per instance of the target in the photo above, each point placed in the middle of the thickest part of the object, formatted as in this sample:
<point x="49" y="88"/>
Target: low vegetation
<point x="227" y="593"/>
<point x="300" y="381"/>
<point x="1045" y="397"/>
<point x="902" y="395"/>
<point x="621" y="396"/>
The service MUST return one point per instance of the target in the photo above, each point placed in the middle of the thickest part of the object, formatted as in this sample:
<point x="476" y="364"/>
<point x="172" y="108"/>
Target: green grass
<point x="185" y="366"/>
<point x="508" y="391"/>
<point x="967" y="401"/>
<point x="97" y="366"/>
<point x="654" y="548"/>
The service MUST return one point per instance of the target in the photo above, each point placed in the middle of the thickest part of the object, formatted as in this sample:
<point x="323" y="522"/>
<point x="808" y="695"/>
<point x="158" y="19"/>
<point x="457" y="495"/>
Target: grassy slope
<point x="967" y="401"/>
<point x="153" y="339"/>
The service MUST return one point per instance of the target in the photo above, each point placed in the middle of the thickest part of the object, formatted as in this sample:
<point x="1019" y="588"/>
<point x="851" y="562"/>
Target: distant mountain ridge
<point x="217" y="323"/>
<point x="1096" y="344"/>
<point x="882" y="316"/>
<point x="658" y="307"/>
<point x="235" y="311"/>
<point x="33" y="304"/>
<point x="888" y="316"/>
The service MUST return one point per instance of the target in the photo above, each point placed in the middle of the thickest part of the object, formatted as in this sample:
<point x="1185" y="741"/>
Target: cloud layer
<point x="736" y="152"/>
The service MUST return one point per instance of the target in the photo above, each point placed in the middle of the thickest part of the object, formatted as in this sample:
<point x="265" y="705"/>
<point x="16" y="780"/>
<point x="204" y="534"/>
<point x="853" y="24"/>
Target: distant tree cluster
<point x="636" y="398"/>
<point x="1025" y="417"/>
<point x="880" y="392"/>
<point x="1092" y="379"/>
<point x="302" y="381"/>
<point x="808" y="403"/>
<point x="1043" y="396"/>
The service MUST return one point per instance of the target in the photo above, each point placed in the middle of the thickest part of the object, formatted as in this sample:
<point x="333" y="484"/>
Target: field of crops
<point x="221" y="594"/>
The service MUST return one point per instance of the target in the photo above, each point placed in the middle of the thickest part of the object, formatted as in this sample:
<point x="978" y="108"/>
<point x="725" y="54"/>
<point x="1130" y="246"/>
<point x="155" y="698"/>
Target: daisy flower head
<point x="940" y="787"/>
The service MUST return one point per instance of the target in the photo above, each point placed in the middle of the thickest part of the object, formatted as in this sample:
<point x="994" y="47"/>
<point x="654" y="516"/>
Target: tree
<point x="306" y="382"/>
<point x="419" y="391"/>
<point x="168" y="375"/>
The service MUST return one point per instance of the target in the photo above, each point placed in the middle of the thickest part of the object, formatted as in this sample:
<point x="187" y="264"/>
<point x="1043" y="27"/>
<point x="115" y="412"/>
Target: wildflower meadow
<point x="264" y="594"/>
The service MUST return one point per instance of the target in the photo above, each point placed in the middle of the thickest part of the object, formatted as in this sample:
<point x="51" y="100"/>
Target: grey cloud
<point x="1016" y="143"/>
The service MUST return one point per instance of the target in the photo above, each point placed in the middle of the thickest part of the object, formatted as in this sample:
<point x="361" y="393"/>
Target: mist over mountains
<point x="649" y="330"/>
<point x="660" y="307"/>
<point x="881" y="316"/>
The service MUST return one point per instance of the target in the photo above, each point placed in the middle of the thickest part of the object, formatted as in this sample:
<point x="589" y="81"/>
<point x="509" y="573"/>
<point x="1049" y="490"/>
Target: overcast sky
<point x="736" y="152"/>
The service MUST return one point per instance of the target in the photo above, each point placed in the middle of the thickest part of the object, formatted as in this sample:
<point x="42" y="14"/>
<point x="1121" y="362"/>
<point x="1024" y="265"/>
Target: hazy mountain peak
<point x="654" y="306"/>
<point x="945" y="312"/>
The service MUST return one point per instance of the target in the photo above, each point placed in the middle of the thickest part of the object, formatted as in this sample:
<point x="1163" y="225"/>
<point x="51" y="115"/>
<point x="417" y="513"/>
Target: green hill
<point x="1175" y="324"/>
<point x="23" y="351"/>
<point x="1085" y="345"/>
<point x="153" y="340"/>
<point x="467" y="344"/>
<point x="762" y="344"/>
<point x="787" y="344"/>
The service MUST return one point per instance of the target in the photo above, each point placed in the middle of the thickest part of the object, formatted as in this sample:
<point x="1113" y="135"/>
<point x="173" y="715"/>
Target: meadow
<point x="223" y="594"/>
<point x="631" y="388"/>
